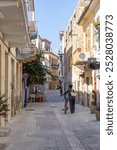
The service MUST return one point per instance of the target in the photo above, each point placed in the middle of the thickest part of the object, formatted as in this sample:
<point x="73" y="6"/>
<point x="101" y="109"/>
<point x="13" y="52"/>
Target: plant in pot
<point x="3" y="108"/>
<point x="93" y="103"/>
<point x="93" y="107"/>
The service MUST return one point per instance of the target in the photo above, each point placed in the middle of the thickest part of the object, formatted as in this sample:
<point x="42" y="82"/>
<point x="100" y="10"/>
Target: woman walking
<point x="71" y="98"/>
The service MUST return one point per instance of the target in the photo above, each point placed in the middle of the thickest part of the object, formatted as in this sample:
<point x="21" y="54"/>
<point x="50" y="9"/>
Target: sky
<point x="51" y="17"/>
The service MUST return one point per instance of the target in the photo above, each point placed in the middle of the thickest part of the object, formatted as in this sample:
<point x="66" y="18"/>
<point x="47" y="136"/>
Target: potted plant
<point x="93" y="103"/>
<point x="93" y="107"/>
<point x="3" y="108"/>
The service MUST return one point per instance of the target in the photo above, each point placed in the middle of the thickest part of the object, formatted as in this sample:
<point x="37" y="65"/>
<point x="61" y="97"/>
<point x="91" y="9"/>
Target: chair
<point x="32" y="97"/>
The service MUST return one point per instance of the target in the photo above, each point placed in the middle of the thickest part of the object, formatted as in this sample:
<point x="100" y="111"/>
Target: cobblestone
<point x="48" y="128"/>
<point x="4" y="131"/>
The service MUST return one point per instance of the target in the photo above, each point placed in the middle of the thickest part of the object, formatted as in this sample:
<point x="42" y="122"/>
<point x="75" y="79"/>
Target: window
<point x="88" y="42"/>
<point x="69" y="62"/>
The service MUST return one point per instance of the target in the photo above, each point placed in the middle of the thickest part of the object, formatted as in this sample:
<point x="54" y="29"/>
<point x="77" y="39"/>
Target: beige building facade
<point x="81" y="49"/>
<point x="51" y="62"/>
<point x="10" y="79"/>
<point x="90" y="21"/>
<point x="16" y="28"/>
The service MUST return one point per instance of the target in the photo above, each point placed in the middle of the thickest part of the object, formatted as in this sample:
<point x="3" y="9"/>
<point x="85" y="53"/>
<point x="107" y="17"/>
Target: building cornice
<point x="48" y="52"/>
<point x="89" y="12"/>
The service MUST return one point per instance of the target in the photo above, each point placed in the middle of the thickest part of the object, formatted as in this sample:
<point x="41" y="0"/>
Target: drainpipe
<point x="25" y="77"/>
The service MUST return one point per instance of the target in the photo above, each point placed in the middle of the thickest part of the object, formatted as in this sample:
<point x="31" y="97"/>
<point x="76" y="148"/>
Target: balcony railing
<point x="55" y="66"/>
<point x="33" y="35"/>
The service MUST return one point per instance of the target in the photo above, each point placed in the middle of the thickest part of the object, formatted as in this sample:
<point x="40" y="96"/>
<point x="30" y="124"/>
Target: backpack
<point x="72" y="93"/>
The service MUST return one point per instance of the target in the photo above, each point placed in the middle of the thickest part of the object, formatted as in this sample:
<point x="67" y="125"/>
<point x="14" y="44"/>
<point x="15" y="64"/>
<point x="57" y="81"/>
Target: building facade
<point x="90" y="21"/>
<point x="46" y="45"/>
<point x="61" y="61"/>
<point x="15" y="35"/>
<point x="51" y="62"/>
<point x="82" y="51"/>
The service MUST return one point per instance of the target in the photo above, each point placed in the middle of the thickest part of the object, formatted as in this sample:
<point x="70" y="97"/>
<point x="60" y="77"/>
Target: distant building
<point x="51" y="62"/>
<point x="46" y="45"/>
<point x="61" y="60"/>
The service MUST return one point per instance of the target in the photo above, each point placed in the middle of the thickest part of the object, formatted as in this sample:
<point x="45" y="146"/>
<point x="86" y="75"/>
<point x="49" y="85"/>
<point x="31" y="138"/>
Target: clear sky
<point x="53" y="16"/>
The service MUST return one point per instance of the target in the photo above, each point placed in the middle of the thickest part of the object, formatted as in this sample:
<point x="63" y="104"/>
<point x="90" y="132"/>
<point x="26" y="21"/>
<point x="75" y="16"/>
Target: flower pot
<point x="92" y="109"/>
<point x="97" y="113"/>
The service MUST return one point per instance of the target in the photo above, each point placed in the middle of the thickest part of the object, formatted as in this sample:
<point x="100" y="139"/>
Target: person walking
<point x="61" y="91"/>
<point x="71" y="97"/>
<point x="66" y="103"/>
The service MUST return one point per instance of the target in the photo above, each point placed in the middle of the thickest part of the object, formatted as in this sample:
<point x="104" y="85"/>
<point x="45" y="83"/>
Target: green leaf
<point x="36" y="70"/>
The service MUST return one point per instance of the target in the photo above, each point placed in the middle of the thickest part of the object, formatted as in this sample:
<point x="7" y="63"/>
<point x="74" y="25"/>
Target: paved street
<point x="44" y="126"/>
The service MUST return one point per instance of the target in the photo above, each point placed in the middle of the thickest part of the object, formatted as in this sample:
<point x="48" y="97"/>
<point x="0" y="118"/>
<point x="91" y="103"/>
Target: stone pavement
<point x="44" y="126"/>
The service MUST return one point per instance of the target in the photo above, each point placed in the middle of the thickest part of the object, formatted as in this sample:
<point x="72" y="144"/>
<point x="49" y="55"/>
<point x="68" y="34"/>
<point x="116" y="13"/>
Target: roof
<point x="46" y="40"/>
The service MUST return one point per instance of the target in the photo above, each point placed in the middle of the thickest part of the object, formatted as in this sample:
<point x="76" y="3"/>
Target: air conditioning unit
<point x="83" y="56"/>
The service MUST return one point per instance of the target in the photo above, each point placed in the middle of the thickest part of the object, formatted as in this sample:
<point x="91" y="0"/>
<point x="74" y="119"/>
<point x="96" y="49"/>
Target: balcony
<point x="25" y="56"/>
<point x="55" y="65"/>
<point x="90" y="7"/>
<point x="33" y="35"/>
<point x="93" y="64"/>
<point x="13" y="23"/>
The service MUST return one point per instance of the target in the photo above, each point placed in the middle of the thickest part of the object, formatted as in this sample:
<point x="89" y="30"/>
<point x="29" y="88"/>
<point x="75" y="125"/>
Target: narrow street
<point x="44" y="126"/>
